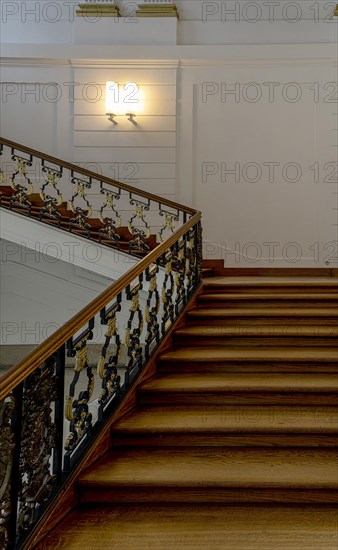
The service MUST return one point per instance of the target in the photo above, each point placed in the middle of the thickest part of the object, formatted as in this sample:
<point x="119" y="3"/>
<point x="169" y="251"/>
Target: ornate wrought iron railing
<point x="83" y="202"/>
<point x="55" y="401"/>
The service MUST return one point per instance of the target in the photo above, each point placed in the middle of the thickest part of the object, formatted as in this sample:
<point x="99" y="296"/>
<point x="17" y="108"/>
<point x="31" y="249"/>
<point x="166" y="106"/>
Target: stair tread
<point x="198" y="527"/>
<point x="241" y="382"/>
<point x="273" y="296"/>
<point x="260" y="281"/>
<point x="203" y="331"/>
<point x="198" y="467"/>
<point x="229" y="419"/>
<point x="262" y="311"/>
<point x="219" y="354"/>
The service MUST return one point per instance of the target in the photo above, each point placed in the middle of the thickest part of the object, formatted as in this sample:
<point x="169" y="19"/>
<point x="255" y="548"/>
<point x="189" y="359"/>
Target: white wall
<point x="261" y="163"/>
<point x="181" y="135"/>
<point x="39" y="293"/>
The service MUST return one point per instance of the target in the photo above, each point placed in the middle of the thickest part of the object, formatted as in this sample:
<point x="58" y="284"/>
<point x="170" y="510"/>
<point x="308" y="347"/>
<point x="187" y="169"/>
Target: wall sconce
<point x="120" y="99"/>
<point x="112" y="119"/>
<point x="131" y="118"/>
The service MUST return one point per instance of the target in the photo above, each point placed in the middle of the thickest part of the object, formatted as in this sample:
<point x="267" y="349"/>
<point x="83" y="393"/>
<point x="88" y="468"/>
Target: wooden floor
<point x="233" y="444"/>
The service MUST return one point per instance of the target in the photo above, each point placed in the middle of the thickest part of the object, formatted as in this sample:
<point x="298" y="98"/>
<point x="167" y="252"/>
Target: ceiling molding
<point x="125" y="63"/>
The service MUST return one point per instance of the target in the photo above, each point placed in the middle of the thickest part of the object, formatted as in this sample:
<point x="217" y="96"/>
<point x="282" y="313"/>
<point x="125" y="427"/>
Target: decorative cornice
<point x="98" y="10"/>
<point x="157" y="8"/>
<point x="125" y="64"/>
<point x="32" y="62"/>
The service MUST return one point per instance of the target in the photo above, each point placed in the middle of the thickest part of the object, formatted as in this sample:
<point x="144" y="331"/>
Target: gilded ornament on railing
<point x="152" y="309"/>
<point x="133" y="335"/>
<point x="37" y="443"/>
<point x="25" y="188"/>
<point x="180" y="274"/>
<point x="110" y="224"/>
<point x="191" y="260"/>
<point x="168" y="290"/>
<point x="77" y="411"/>
<point x="142" y="233"/>
<point x="107" y="369"/>
<point x="168" y="226"/>
<point x="51" y="203"/>
<point x="82" y="215"/>
<point x="7" y="445"/>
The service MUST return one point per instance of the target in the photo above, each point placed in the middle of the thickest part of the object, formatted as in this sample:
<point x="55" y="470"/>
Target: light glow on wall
<point x="123" y="99"/>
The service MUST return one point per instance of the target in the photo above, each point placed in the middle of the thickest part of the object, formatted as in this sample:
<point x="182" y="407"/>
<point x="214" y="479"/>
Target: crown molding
<point x="125" y="63"/>
<point x="164" y="57"/>
<point x="34" y="62"/>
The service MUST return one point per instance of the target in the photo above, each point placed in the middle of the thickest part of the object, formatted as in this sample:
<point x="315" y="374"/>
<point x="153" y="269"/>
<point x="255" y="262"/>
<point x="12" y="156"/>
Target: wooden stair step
<point x="221" y="425"/>
<point x="197" y="474"/>
<point x="270" y="285"/>
<point x="315" y="299"/>
<point x="239" y="388"/>
<point x="262" y="312"/>
<point x="254" y="359"/>
<point x="310" y="295"/>
<point x="207" y="271"/>
<point x="196" y="526"/>
<point x="264" y="315"/>
<point x="230" y="335"/>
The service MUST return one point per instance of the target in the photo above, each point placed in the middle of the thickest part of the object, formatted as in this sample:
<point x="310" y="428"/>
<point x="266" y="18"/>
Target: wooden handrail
<point x="89" y="174"/>
<point x="26" y="366"/>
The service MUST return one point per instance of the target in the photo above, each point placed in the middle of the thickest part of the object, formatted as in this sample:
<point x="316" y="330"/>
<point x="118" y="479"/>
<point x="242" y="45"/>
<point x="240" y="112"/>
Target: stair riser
<point x="258" y="320"/>
<point x="234" y="398"/>
<point x="237" y="367"/>
<point x="268" y="303"/>
<point x="202" y="494"/>
<point x="228" y="341"/>
<point x="225" y="440"/>
<point x="269" y="289"/>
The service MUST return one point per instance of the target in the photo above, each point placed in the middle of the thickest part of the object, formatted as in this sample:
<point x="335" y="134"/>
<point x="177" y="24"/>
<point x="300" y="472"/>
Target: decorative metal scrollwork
<point x="82" y="215"/>
<point x="51" y="203"/>
<point x="112" y="222"/>
<point x="152" y="309"/>
<point x="77" y="411"/>
<point x="191" y="261"/>
<point x="199" y="251"/>
<point x="170" y="218"/>
<point x="140" y="234"/>
<point x="21" y="192"/>
<point x="180" y="266"/>
<point x="168" y="290"/>
<point x="107" y="369"/>
<point x="133" y="335"/>
<point x="7" y="445"/>
<point x="37" y="443"/>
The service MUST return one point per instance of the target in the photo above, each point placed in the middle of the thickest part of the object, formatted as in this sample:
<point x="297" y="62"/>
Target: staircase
<point x="233" y="444"/>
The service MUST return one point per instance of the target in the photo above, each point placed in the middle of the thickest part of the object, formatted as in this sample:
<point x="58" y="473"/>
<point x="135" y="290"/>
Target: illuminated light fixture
<point x="131" y="118"/>
<point x="123" y="100"/>
<point x="112" y="119"/>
